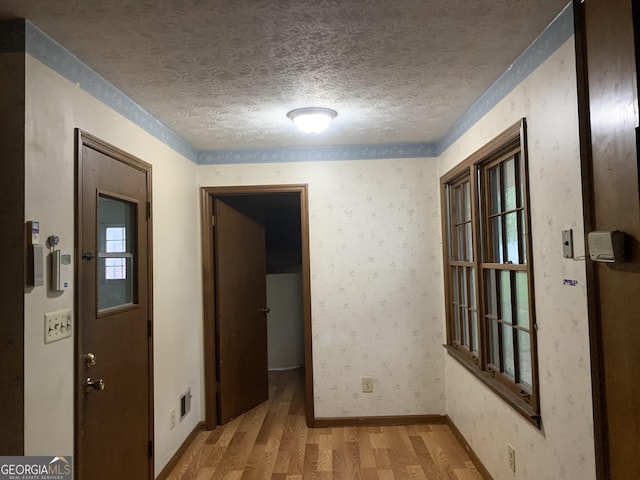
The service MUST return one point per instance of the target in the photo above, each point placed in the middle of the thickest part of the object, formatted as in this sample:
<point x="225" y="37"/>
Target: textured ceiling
<point x="223" y="74"/>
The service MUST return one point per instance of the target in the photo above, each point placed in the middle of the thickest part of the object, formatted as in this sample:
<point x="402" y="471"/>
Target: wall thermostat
<point x="61" y="271"/>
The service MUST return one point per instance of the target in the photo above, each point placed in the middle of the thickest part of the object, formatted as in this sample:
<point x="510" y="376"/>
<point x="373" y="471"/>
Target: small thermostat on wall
<point x="606" y="246"/>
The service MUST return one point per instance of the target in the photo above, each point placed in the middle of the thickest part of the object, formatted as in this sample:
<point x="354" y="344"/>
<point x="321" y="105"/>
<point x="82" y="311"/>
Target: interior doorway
<point x="282" y="212"/>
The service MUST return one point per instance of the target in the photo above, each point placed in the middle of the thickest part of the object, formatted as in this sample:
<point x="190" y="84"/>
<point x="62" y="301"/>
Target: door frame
<point x="83" y="139"/>
<point x="207" y="194"/>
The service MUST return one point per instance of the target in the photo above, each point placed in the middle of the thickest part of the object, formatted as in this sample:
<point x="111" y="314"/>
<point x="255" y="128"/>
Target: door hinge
<point x="148" y="210"/>
<point x="218" y="387"/>
<point x="150" y="448"/>
<point x="88" y="256"/>
<point x="149" y="328"/>
<point x="213" y="220"/>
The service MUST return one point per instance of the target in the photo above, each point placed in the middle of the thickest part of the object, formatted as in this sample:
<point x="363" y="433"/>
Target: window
<point x="116" y="242"/>
<point x="488" y="270"/>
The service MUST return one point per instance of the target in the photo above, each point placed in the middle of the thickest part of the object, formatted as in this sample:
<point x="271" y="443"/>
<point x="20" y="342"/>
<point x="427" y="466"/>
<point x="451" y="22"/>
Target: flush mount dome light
<point x="312" y="119"/>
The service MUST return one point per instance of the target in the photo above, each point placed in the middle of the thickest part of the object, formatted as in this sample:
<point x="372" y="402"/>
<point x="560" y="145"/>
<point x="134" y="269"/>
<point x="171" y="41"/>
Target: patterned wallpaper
<point x="564" y="448"/>
<point x="376" y="283"/>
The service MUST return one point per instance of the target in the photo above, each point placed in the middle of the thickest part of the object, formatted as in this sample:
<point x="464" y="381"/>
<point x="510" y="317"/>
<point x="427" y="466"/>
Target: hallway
<point x="272" y="442"/>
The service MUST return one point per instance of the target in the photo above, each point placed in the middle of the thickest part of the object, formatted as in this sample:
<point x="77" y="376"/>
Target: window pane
<point x="522" y="299"/>
<point x="494" y="190"/>
<point x="467" y="201"/>
<point x="509" y="185"/>
<point x="496" y="240"/>
<point x="523" y="237"/>
<point x="116" y="221"/>
<point x="524" y="358"/>
<point x="507" y="351"/>
<point x="494" y="343"/>
<point x="460" y="203"/>
<point x="465" y="326"/>
<point x="520" y="180"/>
<point x="460" y="242"/>
<point x="474" y="332"/>
<point x="505" y="296"/>
<point x="492" y="293"/>
<point x="511" y="226"/>
<point x="469" y="243"/>
<point x="472" y="288"/>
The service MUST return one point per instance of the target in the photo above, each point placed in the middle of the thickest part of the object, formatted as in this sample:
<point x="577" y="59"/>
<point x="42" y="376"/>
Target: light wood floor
<point x="272" y="441"/>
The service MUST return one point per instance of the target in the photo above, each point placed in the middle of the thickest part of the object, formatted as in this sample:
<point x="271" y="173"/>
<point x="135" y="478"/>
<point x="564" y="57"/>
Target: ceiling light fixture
<point x="312" y="119"/>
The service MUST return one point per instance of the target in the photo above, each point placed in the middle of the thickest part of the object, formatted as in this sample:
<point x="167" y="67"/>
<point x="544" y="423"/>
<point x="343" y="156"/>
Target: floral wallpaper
<point x="376" y="281"/>
<point x="564" y="447"/>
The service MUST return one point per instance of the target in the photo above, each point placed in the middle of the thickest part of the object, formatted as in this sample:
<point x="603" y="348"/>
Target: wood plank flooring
<point x="273" y="442"/>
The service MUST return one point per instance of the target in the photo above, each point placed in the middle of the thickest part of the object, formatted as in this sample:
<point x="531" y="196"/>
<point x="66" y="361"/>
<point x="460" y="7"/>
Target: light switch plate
<point x="58" y="325"/>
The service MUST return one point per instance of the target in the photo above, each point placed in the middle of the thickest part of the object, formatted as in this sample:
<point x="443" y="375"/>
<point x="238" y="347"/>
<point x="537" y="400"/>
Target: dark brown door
<point x="613" y="203"/>
<point x="113" y="422"/>
<point x="241" y="319"/>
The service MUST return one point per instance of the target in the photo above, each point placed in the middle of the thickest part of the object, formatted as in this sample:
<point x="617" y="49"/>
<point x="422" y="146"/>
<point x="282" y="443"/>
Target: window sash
<point x="502" y="344"/>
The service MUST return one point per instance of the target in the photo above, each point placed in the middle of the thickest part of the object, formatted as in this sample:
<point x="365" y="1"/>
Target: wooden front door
<point x="241" y="316"/>
<point x="114" y="426"/>
<point x="607" y="57"/>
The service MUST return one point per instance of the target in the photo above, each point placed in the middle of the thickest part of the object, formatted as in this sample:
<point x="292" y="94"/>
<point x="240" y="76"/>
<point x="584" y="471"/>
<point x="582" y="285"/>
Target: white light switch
<point x="58" y="325"/>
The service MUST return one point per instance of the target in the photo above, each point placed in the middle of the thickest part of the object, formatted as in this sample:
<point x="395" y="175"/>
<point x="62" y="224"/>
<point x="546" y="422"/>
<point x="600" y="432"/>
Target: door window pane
<point x="116" y="221"/>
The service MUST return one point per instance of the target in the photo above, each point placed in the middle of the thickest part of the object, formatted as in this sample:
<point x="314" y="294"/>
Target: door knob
<point x="264" y="309"/>
<point x="94" y="384"/>
<point x="89" y="360"/>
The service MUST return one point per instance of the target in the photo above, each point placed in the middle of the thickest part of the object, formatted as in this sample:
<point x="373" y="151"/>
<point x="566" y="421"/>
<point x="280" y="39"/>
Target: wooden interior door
<point x="609" y="115"/>
<point x="241" y="313"/>
<point x="114" y="426"/>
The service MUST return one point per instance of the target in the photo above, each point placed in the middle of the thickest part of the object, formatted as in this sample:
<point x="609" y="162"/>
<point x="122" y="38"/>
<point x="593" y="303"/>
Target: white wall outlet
<point x="58" y="325"/>
<point x="512" y="457"/>
<point x="367" y="384"/>
<point x="172" y="419"/>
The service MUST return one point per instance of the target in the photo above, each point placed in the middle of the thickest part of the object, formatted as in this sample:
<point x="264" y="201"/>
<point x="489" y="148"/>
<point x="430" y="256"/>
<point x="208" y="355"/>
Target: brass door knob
<point x="94" y="384"/>
<point x="89" y="360"/>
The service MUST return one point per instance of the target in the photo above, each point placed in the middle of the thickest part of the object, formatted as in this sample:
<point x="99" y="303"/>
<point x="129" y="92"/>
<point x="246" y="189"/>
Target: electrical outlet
<point x="367" y="384"/>
<point x="58" y="325"/>
<point x="172" y="419"/>
<point x="512" y="457"/>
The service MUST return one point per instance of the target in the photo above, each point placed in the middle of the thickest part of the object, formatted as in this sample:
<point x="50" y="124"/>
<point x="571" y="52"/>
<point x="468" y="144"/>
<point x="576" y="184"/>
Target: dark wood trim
<point x="83" y="138"/>
<point x="14" y="239"/>
<point x="482" y="470"/>
<point x="497" y="387"/>
<point x="586" y="167"/>
<point x="173" y="462"/>
<point x="208" y="311"/>
<point x="385" y="421"/>
<point x="206" y="198"/>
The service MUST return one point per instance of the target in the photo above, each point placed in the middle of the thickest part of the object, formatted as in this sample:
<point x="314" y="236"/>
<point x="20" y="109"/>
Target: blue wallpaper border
<point x="317" y="154"/>
<point x="552" y="38"/>
<point x="43" y="48"/>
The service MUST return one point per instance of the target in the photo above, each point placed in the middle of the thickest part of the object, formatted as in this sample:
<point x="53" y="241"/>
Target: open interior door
<point x="241" y="311"/>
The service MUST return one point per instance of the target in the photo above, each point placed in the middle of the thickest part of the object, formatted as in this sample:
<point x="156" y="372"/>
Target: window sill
<point x="515" y="402"/>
